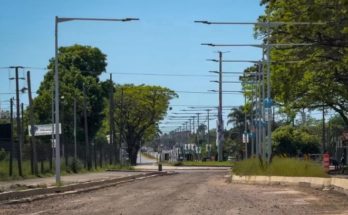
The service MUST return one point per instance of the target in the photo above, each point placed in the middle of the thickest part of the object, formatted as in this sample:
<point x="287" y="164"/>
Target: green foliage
<point x="279" y="167"/>
<point x="89" y="60"/>
<point x="3" y="154"/>
<point x="138" y="110"/>
<point x="319" y="78"/>
<point x="76" y="165"/>
<point x="288" y="140"/>
<point x="78" y="66"/>
<point x="233" y="141"/>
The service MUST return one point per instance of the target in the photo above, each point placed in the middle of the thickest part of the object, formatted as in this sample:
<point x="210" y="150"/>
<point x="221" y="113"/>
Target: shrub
<point x="3" y="154"/>
<point x="179" y="163"/>
<point x="76" y="165"/>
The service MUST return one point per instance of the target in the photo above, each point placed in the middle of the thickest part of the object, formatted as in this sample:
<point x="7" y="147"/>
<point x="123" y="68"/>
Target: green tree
<point x="235" y="135"/>
<point x="78" y="66"/>
<point x="320" y="76"/>
<point x="289" y="140"/>
<point x="137" y="113"/>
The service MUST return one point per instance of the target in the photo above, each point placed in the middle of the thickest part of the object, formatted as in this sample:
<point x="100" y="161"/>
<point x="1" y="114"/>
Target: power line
<point x="26" y="67"/>
<point x="163" y="74"/>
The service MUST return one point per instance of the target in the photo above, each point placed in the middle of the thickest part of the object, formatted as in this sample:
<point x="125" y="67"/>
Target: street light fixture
<point x="268" y="101"/>
<point x="56" y="79"/>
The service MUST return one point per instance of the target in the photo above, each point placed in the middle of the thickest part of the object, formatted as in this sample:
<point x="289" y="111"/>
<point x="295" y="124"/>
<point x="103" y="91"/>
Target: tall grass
<point x="279" y="167"/>
<point x="204" y="163"/>
<point x="65" y="170"/>
<point x="26" y="170"/>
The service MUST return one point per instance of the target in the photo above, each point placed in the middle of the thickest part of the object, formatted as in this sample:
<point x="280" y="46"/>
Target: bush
<point x="279" y="167"/>
<point x="179" y="163"/>
<point x="76" y="165"/>
<point x="3" y="154"/>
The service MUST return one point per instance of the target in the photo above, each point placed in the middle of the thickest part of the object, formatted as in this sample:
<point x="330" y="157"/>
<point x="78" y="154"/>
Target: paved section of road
<point x="154" y="167"/>
<point x="145" y="160"/>
<point x="68" y="179"/>
<point x="189" y="192"/>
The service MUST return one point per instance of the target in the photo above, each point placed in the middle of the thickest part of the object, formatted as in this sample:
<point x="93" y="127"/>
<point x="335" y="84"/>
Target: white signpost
<point x="44" y="130"/>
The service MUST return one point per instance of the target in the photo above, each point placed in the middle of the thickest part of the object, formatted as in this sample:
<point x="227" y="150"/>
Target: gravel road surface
<point x="189" y="192"/>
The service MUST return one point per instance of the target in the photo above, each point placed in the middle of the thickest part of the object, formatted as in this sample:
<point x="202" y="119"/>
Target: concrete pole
<point x="208" y="134"/>
<point x="263" y="93"/>
<point x="220" y="122"/>
<point x="12" y="140"/>
<point x="33" y="140"/>
<point x="269" y="109"/>
<point x="56" y="85"/>
<point x="19" y="129"/>
<point x="245" y="125"/>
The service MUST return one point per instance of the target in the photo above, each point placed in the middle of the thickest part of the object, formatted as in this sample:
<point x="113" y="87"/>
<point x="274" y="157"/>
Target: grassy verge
<point x="205" y="163"/>
<point x="46" y="172"/>
<point x="279" y="167"/>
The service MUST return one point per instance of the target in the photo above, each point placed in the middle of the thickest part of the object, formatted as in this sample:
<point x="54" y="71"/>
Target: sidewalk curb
<point x="338" y="184"/>
<point x="13" y="197"/>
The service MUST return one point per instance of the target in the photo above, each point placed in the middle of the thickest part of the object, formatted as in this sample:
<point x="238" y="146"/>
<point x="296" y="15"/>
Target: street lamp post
<point x="268" y="25"/>
<point x="267" y="102"/>
<point x="56" y="80"/>
<point x="245" y="134"/>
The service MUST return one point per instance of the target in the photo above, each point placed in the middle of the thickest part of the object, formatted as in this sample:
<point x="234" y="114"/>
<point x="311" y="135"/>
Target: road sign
<point x="245" y="137"/>
<point x="43" y="130"/>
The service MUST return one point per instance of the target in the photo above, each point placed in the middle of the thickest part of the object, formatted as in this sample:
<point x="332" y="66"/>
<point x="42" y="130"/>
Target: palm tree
<point x="237" y="117"/>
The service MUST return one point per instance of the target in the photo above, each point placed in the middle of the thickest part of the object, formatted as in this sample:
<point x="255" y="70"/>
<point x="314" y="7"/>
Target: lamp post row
<point x="267" y="107"/>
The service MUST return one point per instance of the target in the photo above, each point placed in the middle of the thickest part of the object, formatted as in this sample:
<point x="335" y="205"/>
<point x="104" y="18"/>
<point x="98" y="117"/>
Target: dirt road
<point x="189" y="192"/>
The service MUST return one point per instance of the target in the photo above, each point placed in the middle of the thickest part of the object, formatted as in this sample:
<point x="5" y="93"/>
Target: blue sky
<point x="165" y="40"/>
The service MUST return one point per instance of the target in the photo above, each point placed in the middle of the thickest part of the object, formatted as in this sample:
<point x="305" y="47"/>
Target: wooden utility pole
<point x="12" y="140"/>
<point x="32" y="130"/>
<point x="22" y="123"/>
<point x="19" y="135"/>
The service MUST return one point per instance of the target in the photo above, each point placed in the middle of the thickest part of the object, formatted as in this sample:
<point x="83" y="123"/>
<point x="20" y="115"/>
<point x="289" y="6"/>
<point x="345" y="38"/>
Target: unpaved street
<point x="189" y="192"/>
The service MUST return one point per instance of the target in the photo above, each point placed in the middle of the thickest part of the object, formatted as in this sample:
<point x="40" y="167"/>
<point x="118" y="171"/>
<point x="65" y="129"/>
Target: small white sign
<point x="44" y="130"/>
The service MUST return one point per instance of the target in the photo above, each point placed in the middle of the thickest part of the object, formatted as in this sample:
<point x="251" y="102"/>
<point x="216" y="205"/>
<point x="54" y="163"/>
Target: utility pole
<point x="22" y="123"/>
<point x="12" y="140"/>
<point x="323" y="135"/>
<point x="208" y="134"/>
<point x="269" y="100"/>
<point x="262" y="107"/>
<point x="220" y="122"/>
<point x="190" y="125"/>
<point x="32" y="130"/>
<point x="19" y="135"/>
<point x="197" y="129"/>
<point x="111" y="119"/>
<point x="53" y="152"/>
<point x="245" y="125"/>
<point x="121" y="127"/>
<point x="254" y="149"/>
<point x="88" y="160"/>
